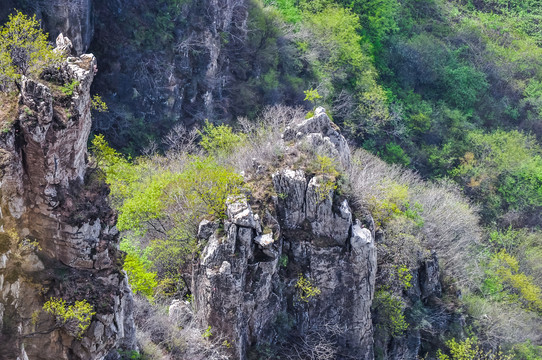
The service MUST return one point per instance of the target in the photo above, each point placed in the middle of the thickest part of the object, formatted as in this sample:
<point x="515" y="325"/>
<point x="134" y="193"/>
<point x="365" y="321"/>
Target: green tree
<point x="220" y="140"/>
<point x="78" y="315"/>
<point x="24" y="49"/>
<point x="469" y="349"/>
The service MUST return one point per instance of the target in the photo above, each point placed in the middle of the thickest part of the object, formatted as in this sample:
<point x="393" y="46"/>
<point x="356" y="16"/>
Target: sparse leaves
<point x="80" y="313"/>
<point x="306" y="289"/>
<point x="97" y="104"/>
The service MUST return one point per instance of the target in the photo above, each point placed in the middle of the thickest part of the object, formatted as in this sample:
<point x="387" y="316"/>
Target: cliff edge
<point x="57" y="232"/>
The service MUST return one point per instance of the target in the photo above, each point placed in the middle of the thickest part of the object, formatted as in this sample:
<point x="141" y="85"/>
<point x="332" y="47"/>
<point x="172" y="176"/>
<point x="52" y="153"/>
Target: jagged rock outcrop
<point x="319" y="132"/>
<point x="247" y="284"/>
<point x="426" y="310"/>
<point x="58" y="235"/>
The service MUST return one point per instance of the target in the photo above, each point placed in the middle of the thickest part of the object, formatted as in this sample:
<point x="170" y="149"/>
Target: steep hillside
<point x="275" y="234"/>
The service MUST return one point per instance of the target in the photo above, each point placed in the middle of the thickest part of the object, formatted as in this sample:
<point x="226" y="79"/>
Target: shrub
<point x="180" y="338"/>
<point x="68" y="89"/>
<point x="469" y="349"/>
<point x="81" y="313"/>
<point x="389" y="310"/>
<point x="97" y="104"/>
<point x="384" y="209"/>
<point x="160" y="203"/>
<point x="287" y="8"/>
<point x="504" y="269"/>
<point x="393" y="153"/>
<point x="306" y="289"/>
<point x="501" y="323"/>
<point x="137" y="267"/>
<point x="503" y="169"/>
<point x="23" y="48"/>
<point x="220" y="140"/>
<point x="312" y="96"/>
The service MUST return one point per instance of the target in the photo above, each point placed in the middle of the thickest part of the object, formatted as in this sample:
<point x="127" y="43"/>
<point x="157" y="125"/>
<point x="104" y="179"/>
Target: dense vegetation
<point x="452" y="90"/>
<point x="449" y="89"/>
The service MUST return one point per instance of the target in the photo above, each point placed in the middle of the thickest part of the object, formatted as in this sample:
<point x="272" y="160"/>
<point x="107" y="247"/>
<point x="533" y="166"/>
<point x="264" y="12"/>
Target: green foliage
<point x="211" y="184"/>
<point x="326" y="166"/>
<point x="81" y="313"/>
<point x="130" y="355"/>
<point x="504" y="273"/>
<point x="220" y="140"/>
<point x="527" y="351"/>
<point x="97" y="104"/>
<point x="23" y="48"/>
<point x="312" y="95"/>
<point x="287" y="8"/>
<point x="393" y="153"/>
<point x="390" y="317"/>
<point x="338" y="29"/>
<point x="164" y="204"/>
<point x="137" y="266"/>
<point x="306" y="289"/>
<point x="394" y="198"/>
<point x="378" y="18"/>
<point x="207" y="333"/>
<point x="68" y="89"/>
<point x="464" y="85"/>
<point x="504" y="170"/>
<point x="469" y="349"/>
<point x="404" y="276"/>
<point x="283" y="261"/>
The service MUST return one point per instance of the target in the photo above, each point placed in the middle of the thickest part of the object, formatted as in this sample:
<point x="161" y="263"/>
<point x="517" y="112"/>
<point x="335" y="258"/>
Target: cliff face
<point x="249" y="287"/>
<point x="58" y="236"/>
<point x="173" y="66"/>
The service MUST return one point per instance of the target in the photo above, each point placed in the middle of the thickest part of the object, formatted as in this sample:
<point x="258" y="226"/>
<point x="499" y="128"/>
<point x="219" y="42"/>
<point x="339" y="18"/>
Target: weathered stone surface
<point x="291" y="187"/>
<point x="63" y="45"/>
<point x="240" y="213"/>
<point x="54" y="247"/>
<point x="241" y="291"/>
<point x="429" y="278"/>
<point x="265" y="240"/>
<point x="320" y="133"/>
<point x="180" y="311"/>
<point x="326" y="219"/>
<point x="206" y="228"/>
<point x="424" y="293"/>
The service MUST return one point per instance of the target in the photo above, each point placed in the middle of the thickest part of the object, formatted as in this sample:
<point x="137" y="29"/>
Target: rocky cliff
<point x="295" y="274"/>
<point x="173" y="65"/>
<point x="255" y="281"/>
<point x="172" y="61"/>
<point x="58" y="236"/>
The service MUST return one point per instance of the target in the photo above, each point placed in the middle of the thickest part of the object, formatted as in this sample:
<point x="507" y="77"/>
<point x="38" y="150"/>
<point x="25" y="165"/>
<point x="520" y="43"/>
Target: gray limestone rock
<point x="291" y="187"/>
<point x="320" y="133"/>
<point x="53" y="247"/>
<point x="180" y="311"/>
<point x="241" y="291"/>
